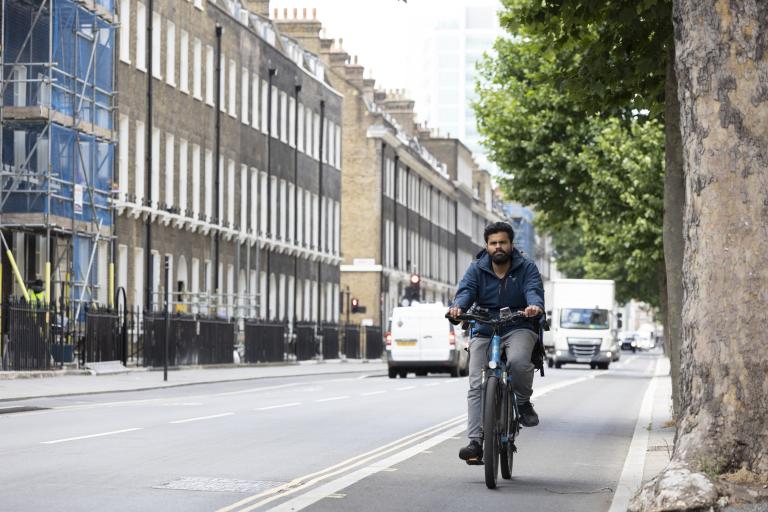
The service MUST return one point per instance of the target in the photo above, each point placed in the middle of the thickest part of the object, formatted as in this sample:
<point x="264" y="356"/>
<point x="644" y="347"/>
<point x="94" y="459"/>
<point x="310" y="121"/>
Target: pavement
<point x="28" y="385"/>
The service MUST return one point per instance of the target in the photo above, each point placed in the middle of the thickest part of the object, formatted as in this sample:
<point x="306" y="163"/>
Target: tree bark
<point x="722" y="73"/>
<point x="674" y="199"/>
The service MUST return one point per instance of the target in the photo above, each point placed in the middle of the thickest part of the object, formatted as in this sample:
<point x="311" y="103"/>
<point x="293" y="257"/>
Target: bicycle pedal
<point x="475" y="462"/>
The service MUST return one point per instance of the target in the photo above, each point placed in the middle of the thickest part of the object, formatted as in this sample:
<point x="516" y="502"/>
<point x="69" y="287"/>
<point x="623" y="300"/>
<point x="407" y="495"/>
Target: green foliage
<point x="595" y="180"/>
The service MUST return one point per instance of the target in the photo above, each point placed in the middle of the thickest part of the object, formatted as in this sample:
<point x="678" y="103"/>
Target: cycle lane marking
<point x="90" y="436"/>
<point x="201" y="418"/>
<point x="281" y="406"/>
<point x="301" y="482"/>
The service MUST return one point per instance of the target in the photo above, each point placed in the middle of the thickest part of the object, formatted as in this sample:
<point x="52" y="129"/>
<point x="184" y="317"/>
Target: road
<point x="335" y="443"/>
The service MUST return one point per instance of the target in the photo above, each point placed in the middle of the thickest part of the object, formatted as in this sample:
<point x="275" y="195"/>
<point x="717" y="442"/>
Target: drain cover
<point x="23" y="408"/>
<point x="193" y="483"/>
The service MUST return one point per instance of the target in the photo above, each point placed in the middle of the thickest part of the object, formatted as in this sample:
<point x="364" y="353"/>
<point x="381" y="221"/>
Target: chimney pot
<point x="285" y="13"/>
<point x="275" y="13"/>
<point x="314" y="13"/>
<point x="295" y="13"/>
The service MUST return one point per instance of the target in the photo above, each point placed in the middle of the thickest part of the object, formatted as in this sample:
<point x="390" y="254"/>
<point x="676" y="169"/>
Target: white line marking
<point x="632" y="473"/>
<point x="405" y="388"/>
<point x="332" y="398"/>
<point x="305" y="500"/>
<point x="90" y="436"/>
<point x="373" y="393"/>
<point x="300" y="483"/>
<point x="294" y="404"/>
<point x="202" y="418"/>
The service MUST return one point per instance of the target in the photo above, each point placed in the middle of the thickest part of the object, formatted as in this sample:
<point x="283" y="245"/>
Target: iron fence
<point x="306" y="347"/>
<point x="102" y="340"/>
<point x="331" y="345"/>
<point x="374" y="343"/>
<point x="264" y="341"/>
<point x="351" y="347"/>
<point x="27" y="336"/>
<point x="192" y="340"/>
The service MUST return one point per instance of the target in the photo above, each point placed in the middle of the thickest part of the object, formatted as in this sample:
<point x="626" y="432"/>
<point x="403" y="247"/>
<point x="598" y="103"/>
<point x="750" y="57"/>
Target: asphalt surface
<point x="357" y="442"/>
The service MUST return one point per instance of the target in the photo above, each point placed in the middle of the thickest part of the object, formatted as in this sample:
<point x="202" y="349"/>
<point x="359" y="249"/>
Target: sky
<point x="382" y="33"/>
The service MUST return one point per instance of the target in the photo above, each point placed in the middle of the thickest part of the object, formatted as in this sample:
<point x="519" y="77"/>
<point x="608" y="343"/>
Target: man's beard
<point x="500" y="257"/>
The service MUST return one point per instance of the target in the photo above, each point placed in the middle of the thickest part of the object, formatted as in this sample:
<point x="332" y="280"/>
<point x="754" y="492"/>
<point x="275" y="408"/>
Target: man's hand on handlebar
<point x="532" y="311"/>
<point x="454" y="311"/>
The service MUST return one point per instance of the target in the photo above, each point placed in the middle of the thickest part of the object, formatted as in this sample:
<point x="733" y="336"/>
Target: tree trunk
<point x="674" y="199"/>
<point x="722" y="72"/>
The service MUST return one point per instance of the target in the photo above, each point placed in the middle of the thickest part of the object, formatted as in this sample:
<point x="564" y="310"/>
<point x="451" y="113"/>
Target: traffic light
<point x="413" y="290"/>
<point x="356" y="307"/>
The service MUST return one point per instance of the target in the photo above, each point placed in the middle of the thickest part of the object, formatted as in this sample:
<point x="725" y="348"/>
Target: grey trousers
<point x="518" y="345"/>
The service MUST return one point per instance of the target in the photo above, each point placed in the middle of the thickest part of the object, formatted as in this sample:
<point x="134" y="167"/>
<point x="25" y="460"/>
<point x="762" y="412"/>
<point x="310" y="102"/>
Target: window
<point x="253" y="202"/>
<point x="300" y="139"/>
<point x="155" y="171"/>
<point x="139" y="163"/>
<point x="336" y="227"/>
<point x="307" y="223"/>
<point x="244" y="90"/>
<point x="195" y="181"/>
<point x="264" y="120"/>
<point x="209" y="72"/>
<point x="291" y="212"/>
<point x="184" y="61"/>
<point x="263" y="203"/>
<point x="199" y="4"/>
<point x="315" y="222"/>
<point x="138" y="277"/>
<point x="283" y="117"/>
<point x="262" y="294"/>
<point x="324" y="149"/>
<point x="273" y="207"/>
<point x="274" y="112"/>
<point x="292" y="122"/>
<point x="283" y="209"/>
<point x="169" y="164"/>
<point x="222" y="173"/>
<point x="316" y="141"/>
<point x="330" y="144"/>
<point x="157" y="27"/>
<point x="170" y="55"/>
<point x="208" y="185"/>
<point x="183" y="155"/>
<point x="123" y="142"/>
<point x="300" y="216"/>
<point x="125" y="31"/>
<point x="338" y="147"/>
<point x="243" y="197"/>
<point x="232" y="88"/>
<point x="122" y="267"/>
<point x="231" y="193"/>
<point x="197" y="85"/>
<point x="222" y="84"/>
<point x="255" y="102"/>
<point x="141" y="37"/>
<point x="308" y="140"/>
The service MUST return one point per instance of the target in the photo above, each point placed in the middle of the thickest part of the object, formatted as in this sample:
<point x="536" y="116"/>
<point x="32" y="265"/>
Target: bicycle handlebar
<point x="481" y="319"/>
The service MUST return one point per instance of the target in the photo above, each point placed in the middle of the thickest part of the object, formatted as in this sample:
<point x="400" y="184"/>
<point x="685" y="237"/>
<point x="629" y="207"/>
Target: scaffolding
<point x="58" y="140"/>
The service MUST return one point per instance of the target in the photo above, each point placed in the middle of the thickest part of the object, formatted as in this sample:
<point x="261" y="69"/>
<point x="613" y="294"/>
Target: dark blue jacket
<point x="521" y="287"/>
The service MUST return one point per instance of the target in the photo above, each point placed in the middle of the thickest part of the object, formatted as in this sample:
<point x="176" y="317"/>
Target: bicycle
<point x="500" y="412"/>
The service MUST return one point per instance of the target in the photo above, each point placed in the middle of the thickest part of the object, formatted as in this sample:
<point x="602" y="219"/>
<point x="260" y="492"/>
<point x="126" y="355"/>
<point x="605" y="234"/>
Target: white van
<point x="422" y="340"/>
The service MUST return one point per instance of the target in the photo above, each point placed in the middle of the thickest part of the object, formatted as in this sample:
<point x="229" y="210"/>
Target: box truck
<point x="583" y="322"/>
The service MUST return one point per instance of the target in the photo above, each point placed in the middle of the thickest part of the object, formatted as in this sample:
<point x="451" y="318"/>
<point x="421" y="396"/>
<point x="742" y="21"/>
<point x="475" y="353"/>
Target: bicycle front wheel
<point x="491" y="443"/>
<point x="507" y="452"/>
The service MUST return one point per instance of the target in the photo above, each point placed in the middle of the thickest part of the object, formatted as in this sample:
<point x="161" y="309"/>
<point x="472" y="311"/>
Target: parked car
<point x="421" y="340"/>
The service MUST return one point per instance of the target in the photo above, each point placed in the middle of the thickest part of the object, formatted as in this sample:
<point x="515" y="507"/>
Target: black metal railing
<point x="351" y="348"/>
<point x="264" y="341"/>
<point x="374" y="343"/>
<point x="102" y="340"/>
<point x="192" y="340"/>
<point x="27" y="336"/>
<point x="331" y="344"/>
<point x="306" y="345"/>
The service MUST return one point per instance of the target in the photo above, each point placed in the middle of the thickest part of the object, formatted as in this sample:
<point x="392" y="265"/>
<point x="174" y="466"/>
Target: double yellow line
<point x="258" y="500"/>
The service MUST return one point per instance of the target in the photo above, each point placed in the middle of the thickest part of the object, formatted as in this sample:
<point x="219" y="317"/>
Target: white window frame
<point x="124" y="131"/>
<point x="139" y="163"/>
<point x="283" y="117"/>
<point x="170" y="54"/>
<point x="231" y="193"/>
<point x="255" y="101"/>
<point x="125" y="31"/>
<point x="338" y="147"/>
<point x="208" y="177"/>
<point x="197" y="80"/>
<point x="196" y="181"/>
<point x="184" y="61"/>
<point x="157" y="45"/>
<point x="141" y="37"/>
<point x="300" y="138"/>
<point x="273" y="207"/>
<point x="155" y="170"/>
<point x="232" y="88"/>
<point x="291" y="213"/>
<point x="243" y="198"/>
<point x="245" y="90"/>
<point x="170" y="149"/>
<point x="275" y="106"/>
<point x="183" y="170"/>
<point x="223" y="84"/>
<point x="264" y="105"/>
<point x="283" y="210"/>
<point x="254" y="203"/>
<point x="263" y="203"/>
<point x="210" y="71"/>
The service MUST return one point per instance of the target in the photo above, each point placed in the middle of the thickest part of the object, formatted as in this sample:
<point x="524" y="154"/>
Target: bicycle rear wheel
<point x="491" y="443"/>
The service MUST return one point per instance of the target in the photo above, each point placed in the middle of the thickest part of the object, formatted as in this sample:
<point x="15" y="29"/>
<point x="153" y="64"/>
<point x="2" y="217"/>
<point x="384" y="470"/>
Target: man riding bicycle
<point x="501" y="277"/>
